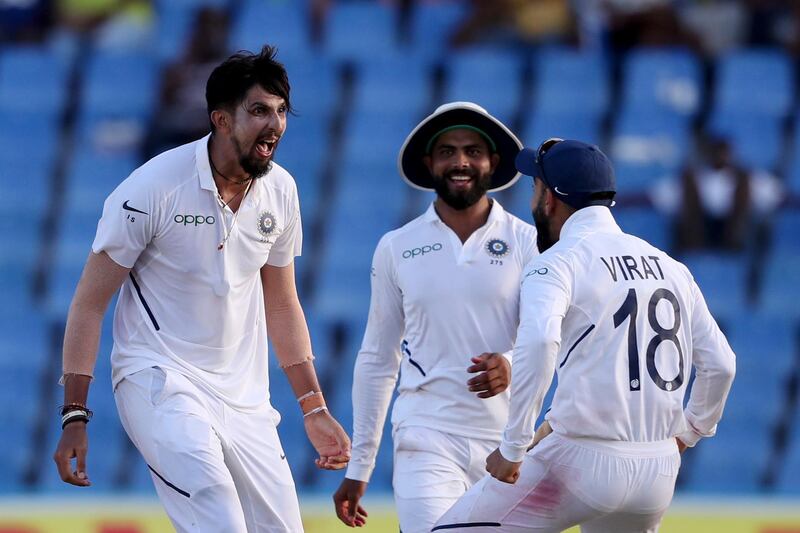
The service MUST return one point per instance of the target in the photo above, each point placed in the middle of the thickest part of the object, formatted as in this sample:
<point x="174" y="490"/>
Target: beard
<point x="460" y="200"/>
<point x="255" y="166"/>
<point x="544" y="240"/>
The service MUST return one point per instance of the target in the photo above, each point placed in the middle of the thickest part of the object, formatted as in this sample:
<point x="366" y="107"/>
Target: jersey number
<point x="630" y="308"/>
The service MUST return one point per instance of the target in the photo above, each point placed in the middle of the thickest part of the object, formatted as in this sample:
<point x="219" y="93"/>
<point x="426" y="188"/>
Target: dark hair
<point x="231" y="80"/>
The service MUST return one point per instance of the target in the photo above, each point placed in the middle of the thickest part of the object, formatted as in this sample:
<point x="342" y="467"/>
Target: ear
<point x="494" y="161"/>
<point x="428" y="163"/>
<point x="221" y="120"/>
<point x="549" y="201"/>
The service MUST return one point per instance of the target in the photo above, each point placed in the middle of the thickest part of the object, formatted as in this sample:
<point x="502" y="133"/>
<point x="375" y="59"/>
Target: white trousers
<point x="215" y="469"/>
<point x="565" y="482"/>
<point x="431" y="471"/>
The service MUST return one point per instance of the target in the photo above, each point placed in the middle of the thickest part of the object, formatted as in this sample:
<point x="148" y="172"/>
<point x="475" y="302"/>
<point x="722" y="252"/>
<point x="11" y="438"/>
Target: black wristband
<point x="69" y="421"/>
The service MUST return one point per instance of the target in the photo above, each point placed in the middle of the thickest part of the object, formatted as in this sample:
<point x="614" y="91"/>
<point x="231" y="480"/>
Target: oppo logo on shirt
<point x="428" y="248"/>
<point x="194" y="220"/>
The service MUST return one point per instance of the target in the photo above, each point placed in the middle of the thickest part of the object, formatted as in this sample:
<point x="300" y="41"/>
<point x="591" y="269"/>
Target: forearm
<point x="286" y="325"/>
<point x="534" y="364"/>
<point x="373" y="382"/>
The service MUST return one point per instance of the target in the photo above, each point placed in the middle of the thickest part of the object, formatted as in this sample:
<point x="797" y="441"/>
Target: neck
<point x="464" y="222"/>
<point x="228" y="175"/>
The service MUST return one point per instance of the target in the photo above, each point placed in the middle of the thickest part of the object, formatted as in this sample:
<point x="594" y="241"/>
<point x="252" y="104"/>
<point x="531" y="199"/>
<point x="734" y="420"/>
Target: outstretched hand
<point x="329" y="439"/>
<point x="346" y="500"/>
<point x="494" y="377"/>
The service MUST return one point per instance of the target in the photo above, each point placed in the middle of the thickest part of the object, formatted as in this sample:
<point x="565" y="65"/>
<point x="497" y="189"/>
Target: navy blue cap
<point x="579" y="174"/>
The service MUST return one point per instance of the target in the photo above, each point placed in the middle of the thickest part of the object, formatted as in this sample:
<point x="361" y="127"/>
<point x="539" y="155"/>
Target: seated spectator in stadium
<point x="654" y="23"/>
<point x="717" y="201"/>
<point x="24" y="21"/>
<point x="181" y="116"/>
<point x="119" y="24"/>
<point x="517" y="21"/>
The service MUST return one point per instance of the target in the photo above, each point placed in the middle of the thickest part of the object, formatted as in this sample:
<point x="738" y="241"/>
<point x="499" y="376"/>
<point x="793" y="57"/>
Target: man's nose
<point x="461" y="161"/>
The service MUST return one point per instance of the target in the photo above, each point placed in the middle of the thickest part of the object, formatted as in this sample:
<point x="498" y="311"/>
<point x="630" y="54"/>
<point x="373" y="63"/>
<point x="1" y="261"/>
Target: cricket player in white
<point x="623" y="324"/>
<point x="202" y="240"/>
<point x="445" y="291"/>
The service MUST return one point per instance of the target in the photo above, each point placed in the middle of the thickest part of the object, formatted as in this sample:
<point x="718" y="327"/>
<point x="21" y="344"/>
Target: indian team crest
<point x="497" y="248"/>
<point x="266" y="223"/>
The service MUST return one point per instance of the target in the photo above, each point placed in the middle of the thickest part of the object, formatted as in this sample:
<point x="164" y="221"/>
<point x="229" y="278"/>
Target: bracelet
<point x="75" y="415"/>
<point x="310" y="401"/>
<point x="309" y="394"/>
<point x="64" y="409"/>
<point x="315" y="411"/>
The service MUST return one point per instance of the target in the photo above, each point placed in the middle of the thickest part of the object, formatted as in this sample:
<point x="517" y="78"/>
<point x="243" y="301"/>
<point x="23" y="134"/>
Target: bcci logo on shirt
<point x="497" y="248"/>
<point x="266" y="224"/>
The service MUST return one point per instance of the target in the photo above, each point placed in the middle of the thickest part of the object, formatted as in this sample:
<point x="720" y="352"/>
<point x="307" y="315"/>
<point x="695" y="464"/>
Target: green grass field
<point x="53" y="515"/>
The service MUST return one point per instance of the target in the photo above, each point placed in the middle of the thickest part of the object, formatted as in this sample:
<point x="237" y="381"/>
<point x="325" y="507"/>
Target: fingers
<point x="63" y="460"/>
<point x="347" y="507"/>
<point x="481" y="362"/>
<point x="335" y="462"/>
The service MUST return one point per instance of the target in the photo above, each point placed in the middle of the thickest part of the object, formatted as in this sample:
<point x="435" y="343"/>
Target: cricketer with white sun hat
<point x="445" y="291"/>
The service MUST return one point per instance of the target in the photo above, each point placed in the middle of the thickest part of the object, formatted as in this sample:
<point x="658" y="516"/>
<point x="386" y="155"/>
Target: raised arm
<point x="101" y="278"/>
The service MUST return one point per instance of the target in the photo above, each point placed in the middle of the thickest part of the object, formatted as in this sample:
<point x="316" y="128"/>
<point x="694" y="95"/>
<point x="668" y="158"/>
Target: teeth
<point x="460" y="178"/>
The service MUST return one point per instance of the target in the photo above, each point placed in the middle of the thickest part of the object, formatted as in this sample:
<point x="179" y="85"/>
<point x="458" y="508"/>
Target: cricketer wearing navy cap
<point x="573" y="172"/>
<point x="624" y="326"/>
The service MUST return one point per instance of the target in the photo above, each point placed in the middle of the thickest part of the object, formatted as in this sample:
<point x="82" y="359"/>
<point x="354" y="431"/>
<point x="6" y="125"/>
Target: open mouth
<point x="265" y="147"/>
<point x="460" y="179"/>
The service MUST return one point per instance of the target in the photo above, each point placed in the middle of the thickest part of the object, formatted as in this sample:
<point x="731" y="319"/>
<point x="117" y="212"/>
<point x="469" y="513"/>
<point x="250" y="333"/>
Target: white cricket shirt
<point x="435" y="304"/>
<point x="188" y="305"/>
<point x="622" y="323"/>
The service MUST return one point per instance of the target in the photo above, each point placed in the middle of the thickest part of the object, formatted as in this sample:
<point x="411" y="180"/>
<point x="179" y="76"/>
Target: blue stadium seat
<point x="786" y="232"/>
<point x="544" y="124"/>
<point x="376" y="137"/>
<point x="92" y="176"/>
<point x="489" y="77"/>
<point x="432" y="24"/>
<point x="645" y="223"/>
<point x="361" y="30"/>
<point x="733" y="461"/>
<point x="315" y="87"/>
<point x="120" y="80"/>
<point x="570" y="81"/>
<point x="646" y="148"/>
<point x="281" y="24"/>
<point x="403" y="84"/>
<point x="789" y="473"/>
<point x="755" y="82"/>
<point x="662" y="80"/>
<point x="780" y="290"/>
<point x="722" y="278"/>
<point x="33" y="79"/>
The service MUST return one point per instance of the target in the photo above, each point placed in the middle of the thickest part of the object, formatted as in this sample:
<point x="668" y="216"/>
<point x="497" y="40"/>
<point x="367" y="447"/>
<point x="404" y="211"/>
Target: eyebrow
<point x="453" y="147"/>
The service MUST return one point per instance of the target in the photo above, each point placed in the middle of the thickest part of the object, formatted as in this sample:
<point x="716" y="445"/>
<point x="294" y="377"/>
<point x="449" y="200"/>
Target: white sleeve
<point x="289" y="243"/>
<point x="377" y="365"/>
<point x="544" y="301"/>
<point x="715" y="365"/>
<point x="129" y="222"/>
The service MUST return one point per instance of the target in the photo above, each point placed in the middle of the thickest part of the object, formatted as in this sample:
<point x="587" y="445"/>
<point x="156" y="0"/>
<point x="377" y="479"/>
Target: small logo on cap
<point x="561" y="193"/>
<point x="497" y="248"/>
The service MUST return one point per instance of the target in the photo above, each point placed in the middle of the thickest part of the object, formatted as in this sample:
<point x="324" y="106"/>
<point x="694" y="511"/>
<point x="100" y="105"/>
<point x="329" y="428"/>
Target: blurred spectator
<point x="24" y="20"/>
<point x="706" y="17"/>
<point x="113" y="23"/>
<point x="525" y="21"/>
<point x="646" y="23"/>
<point x="717" y="203"/>
<point x="181" y="116"/>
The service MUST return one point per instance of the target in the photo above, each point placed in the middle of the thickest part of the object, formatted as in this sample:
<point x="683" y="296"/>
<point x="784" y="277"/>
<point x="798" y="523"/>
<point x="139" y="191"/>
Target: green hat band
<point x="461" y="127"/>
